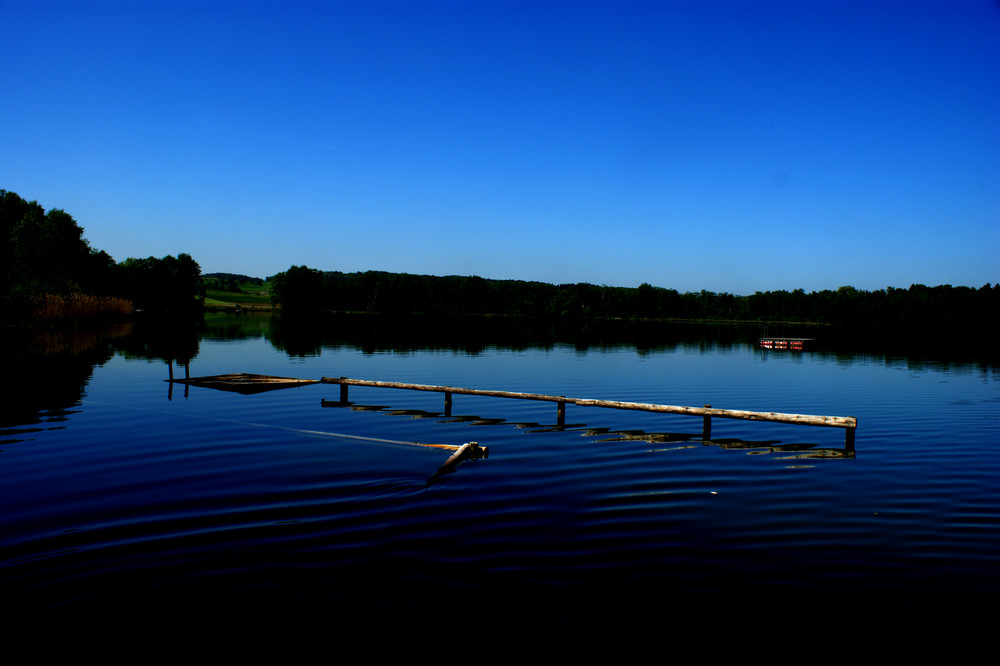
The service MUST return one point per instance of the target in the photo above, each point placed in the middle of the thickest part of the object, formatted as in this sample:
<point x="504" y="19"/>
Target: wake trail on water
<point x="301" y="431"/>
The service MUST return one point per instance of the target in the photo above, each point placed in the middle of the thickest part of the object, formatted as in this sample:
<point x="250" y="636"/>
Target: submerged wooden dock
<point x="848" y="423"/>
<point x="250" y="383"/>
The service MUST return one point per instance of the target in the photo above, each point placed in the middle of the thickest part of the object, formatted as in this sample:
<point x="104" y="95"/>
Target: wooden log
<point x="443" y="389"/>
<point x="778" y="417"/>
<point x="468" y="451"/>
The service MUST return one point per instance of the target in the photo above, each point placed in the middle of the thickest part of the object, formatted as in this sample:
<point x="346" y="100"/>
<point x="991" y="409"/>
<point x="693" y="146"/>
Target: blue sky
<point x="728" y="146"/>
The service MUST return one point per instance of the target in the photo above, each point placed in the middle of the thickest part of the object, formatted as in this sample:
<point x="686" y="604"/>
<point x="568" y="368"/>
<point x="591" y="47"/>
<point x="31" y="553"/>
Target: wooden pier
<point x="848" y="423"/>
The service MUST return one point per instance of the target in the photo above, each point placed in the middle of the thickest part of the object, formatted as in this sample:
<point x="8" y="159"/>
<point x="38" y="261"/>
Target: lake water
<point x="122" y="492"/>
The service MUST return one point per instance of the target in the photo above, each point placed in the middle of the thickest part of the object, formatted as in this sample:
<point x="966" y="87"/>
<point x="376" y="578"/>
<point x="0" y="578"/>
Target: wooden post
<point x="849" y="440"/>
<point x="343" y="393"/>
<point x="706" y="428"/>
<point x="561" y="412"/>
<point x="447" y="403"/>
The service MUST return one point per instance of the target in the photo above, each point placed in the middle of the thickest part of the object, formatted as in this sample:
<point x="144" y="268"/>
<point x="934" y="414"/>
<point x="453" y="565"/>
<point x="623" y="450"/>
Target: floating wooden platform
<point x="794" y="344"/>
<point x="245" y="383"/>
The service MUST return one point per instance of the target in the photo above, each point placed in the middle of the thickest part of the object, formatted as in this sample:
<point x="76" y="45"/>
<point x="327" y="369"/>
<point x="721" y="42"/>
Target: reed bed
<point x="72" y="306"/>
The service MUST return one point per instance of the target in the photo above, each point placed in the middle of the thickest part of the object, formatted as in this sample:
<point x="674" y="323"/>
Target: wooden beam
<point x="777" y="417"/>
<point x="442" y="389"/>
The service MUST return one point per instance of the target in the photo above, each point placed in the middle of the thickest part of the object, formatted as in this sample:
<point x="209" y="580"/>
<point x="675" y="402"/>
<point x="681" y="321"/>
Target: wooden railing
<point x="848" y="423"/>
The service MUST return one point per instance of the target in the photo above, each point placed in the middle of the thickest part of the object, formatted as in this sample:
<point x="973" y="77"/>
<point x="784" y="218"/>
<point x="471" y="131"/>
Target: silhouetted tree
<point x="171" y="285"/>
<point x="300" y="289"/>
<point x="46" y="253"/>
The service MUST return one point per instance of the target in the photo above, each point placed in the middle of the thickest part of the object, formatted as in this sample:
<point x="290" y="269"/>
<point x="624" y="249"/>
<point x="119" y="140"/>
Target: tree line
<point x="47" y="265"/>
<point x="233" y="282"/>
<point x="301" y="289"/>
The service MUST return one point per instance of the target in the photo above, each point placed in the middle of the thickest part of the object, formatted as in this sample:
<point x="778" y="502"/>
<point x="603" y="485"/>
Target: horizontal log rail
<point x="777" y="417"/>
<point x="849" y="423"/>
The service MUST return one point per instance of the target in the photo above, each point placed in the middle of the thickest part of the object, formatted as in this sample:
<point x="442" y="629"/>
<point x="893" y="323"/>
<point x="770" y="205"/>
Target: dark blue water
<point x="123" y="493"/>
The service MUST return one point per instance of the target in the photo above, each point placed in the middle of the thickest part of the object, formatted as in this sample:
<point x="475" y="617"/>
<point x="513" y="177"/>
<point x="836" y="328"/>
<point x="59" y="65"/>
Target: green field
<point x="256" y="297"/>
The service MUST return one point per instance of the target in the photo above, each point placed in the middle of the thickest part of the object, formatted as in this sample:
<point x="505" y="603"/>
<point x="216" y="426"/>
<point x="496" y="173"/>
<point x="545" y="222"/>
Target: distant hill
<point x="234" y="277"/>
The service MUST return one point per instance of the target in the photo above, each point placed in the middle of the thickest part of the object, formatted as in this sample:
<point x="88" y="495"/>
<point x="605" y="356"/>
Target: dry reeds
<point x="74" y="306"/>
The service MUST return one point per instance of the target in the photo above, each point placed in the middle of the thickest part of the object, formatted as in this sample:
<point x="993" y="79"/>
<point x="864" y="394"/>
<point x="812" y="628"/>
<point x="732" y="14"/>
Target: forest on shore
<point x="48" y="270"/>
<point x="304" y="290"/>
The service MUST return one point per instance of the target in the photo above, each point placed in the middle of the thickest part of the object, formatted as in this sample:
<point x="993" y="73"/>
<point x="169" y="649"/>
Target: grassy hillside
<point x="250" y="296"/>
